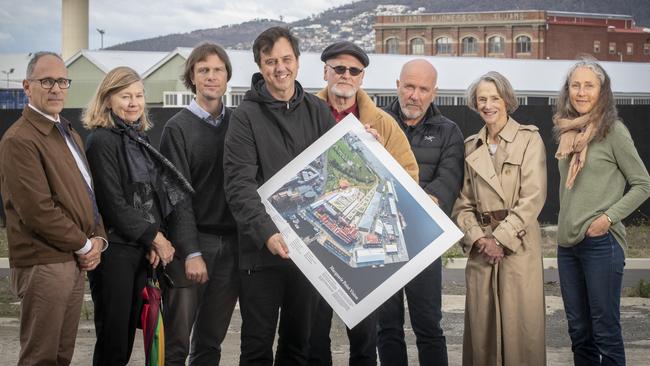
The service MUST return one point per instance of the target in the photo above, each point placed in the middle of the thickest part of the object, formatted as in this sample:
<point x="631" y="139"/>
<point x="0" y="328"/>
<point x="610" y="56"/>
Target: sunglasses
<point x="340" y="70"/>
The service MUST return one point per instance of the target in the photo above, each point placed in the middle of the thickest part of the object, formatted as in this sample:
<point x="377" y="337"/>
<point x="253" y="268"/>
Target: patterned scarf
<point x="147" y="165"/>
<point x="575" y="136"/>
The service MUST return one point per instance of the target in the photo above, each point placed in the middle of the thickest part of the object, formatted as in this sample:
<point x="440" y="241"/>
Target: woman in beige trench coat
<point x="503" y="192"/>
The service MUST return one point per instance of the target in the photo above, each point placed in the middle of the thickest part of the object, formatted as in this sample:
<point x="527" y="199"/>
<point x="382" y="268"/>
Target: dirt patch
<point x="638" y="240"/>
<point x="4" y="245"/>
<point x="9" y="307"/>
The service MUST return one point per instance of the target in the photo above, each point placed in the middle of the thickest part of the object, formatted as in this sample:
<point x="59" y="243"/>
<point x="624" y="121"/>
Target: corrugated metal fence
<point x="636" y="118"/>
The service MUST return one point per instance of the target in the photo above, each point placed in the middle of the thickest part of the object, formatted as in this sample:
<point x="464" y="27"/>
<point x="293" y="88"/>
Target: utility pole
<point x="7" y="73"/>
<point x="101" y="34"/>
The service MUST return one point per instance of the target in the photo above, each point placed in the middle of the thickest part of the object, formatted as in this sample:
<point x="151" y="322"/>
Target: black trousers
<point x="266" y="294"/>
<point x="424" y="294"/>
<point x="116" y="288"/>
<point x="362" y="338"/>
<point x="204" y="311"/>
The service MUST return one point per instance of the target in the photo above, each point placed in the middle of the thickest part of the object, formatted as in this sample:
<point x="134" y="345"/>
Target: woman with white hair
<point x="503" y="193"/>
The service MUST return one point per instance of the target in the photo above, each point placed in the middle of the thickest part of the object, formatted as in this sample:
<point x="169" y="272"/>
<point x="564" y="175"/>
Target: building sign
<point x="465" y="18"/>
<point x="356" y="224"/>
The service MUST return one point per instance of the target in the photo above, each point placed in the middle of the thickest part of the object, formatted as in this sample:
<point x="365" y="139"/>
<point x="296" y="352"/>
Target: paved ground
<point x="635" y="318"/>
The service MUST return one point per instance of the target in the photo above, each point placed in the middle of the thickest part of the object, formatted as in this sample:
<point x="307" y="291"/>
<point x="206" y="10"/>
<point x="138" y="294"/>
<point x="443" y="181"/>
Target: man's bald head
<point x="416" y="89"/>
<point x="420" y="67"/>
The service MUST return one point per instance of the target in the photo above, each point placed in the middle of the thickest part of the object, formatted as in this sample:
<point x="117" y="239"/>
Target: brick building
<point x="528" y="34"/>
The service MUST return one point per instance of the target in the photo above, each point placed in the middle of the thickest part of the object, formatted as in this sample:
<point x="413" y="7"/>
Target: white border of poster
<point x="355" y="290"/>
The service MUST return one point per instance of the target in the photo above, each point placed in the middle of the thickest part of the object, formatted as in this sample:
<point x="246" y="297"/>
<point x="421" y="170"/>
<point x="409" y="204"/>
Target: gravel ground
<point x="635" y="318"/>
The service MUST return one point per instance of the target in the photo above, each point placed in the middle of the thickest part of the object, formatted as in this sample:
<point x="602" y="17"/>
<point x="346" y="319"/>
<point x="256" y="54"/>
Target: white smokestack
<point x="74" y="27"/>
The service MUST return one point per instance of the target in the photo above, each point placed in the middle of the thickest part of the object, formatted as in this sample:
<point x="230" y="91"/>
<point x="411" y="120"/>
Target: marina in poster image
<point x="345" y="201"/>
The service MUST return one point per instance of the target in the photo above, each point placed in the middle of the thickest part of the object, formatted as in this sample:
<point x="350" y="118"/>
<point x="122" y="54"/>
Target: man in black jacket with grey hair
<point x="439" y="150"/>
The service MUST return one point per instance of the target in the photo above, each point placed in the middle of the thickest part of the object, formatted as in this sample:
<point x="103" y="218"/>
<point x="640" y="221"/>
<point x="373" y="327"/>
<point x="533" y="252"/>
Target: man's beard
<point x="409" y="113"/>
<point x="344" y="93"/>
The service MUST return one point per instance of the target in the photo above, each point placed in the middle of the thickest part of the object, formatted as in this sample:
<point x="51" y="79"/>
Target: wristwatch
<point x="608" y="219"/>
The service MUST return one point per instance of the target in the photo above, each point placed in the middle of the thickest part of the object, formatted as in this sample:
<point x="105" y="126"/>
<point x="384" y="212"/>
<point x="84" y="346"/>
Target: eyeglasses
<point x="340" y="70"/>
<point x="48" y="83"/>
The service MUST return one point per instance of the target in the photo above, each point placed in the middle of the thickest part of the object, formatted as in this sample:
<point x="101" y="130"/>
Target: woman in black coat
<point x="138" y="191"/>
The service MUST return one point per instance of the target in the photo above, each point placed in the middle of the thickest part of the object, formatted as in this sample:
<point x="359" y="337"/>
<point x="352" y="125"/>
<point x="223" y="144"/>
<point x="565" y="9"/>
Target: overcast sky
<point x="31" y="25"/>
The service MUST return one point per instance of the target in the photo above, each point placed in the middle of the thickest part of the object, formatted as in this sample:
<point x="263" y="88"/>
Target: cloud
<point x="6" y="37"/>
<point x="36" y="24"/>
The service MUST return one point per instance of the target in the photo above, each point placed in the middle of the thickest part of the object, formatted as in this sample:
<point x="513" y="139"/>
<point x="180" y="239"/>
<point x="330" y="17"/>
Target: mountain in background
<point x="354" y="21"/>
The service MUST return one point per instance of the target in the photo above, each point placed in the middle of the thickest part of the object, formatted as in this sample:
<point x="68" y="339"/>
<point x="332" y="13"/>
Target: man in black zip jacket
<point x="439" y="150"/>
<point x="276" y="121"/>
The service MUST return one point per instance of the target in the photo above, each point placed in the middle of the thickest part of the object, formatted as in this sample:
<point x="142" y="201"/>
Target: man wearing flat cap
<point x="344" y="69"/>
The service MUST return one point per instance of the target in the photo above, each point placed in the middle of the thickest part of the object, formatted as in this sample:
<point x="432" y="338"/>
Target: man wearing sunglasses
<point x="53" y="226"/>
<point x="344" y="70"/>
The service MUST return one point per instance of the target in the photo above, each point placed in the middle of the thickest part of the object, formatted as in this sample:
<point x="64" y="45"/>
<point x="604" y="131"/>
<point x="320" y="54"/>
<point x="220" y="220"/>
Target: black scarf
<point x="148" y="166"/>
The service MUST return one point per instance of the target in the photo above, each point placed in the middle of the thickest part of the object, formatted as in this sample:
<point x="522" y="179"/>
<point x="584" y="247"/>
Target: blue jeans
<point x="424" y="295"/>
<point x="591" y="275"/>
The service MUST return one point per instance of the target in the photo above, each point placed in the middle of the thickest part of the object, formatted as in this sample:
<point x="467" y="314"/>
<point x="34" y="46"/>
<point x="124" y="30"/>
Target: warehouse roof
<point x="531" y="77"/>
<point x="106" y="60"/>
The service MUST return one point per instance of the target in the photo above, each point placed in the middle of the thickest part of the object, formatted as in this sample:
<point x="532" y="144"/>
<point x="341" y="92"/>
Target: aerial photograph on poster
<point x="347" y="204"/>
<point x="356" y="224"/>
<point x="352" y="212"/>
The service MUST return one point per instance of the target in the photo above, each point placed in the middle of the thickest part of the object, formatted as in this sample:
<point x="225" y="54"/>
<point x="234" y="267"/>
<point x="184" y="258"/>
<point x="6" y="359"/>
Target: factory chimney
<point x="74" y="27"/>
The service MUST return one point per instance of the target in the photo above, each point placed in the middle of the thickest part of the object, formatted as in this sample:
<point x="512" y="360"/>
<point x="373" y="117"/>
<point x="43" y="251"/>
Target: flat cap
<point x="345" y="47"/>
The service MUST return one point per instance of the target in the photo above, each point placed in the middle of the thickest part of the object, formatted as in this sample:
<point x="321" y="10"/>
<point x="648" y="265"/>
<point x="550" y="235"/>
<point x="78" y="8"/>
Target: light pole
<point x="7" y="73"/>
<point x="101" y="34"/>
<point x="620" y="56"/>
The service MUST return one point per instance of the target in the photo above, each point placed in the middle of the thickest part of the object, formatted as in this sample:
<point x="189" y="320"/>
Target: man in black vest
<point x="438" y="147"/>
<point x="205" y="273"/>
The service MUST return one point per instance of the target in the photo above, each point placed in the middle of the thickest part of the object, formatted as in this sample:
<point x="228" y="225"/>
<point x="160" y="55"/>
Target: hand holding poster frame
<point x="355" y="222"/>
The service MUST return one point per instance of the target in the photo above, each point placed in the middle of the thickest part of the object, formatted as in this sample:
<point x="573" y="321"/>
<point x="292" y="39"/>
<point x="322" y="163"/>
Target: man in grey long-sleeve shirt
<point x="205" y="272"/>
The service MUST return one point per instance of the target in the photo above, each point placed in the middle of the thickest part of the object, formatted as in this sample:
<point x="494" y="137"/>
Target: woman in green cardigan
<point x="596" y="158"/>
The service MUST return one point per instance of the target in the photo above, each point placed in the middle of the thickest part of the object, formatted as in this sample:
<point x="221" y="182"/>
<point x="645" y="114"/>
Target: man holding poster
<point x="344" y="70"/>
<point x="276" y="121"/>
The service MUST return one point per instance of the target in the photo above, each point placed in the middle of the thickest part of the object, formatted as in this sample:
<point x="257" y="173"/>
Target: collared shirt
<point x="338" y="116"/>
<point x="80" y="164"/>
<point x="195" y="108"/>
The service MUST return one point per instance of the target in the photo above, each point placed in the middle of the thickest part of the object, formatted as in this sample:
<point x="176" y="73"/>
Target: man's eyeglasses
<point x="48" y="83"/>
<point x="340" y="70"/>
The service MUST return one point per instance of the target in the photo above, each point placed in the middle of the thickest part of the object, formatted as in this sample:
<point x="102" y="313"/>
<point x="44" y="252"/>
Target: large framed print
<point x="356" y="224"/>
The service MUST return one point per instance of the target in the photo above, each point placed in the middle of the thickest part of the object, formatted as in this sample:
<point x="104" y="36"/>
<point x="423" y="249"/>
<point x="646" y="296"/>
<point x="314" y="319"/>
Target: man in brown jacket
<point x="344" y="69"/>
<point x="53" y="226"/>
